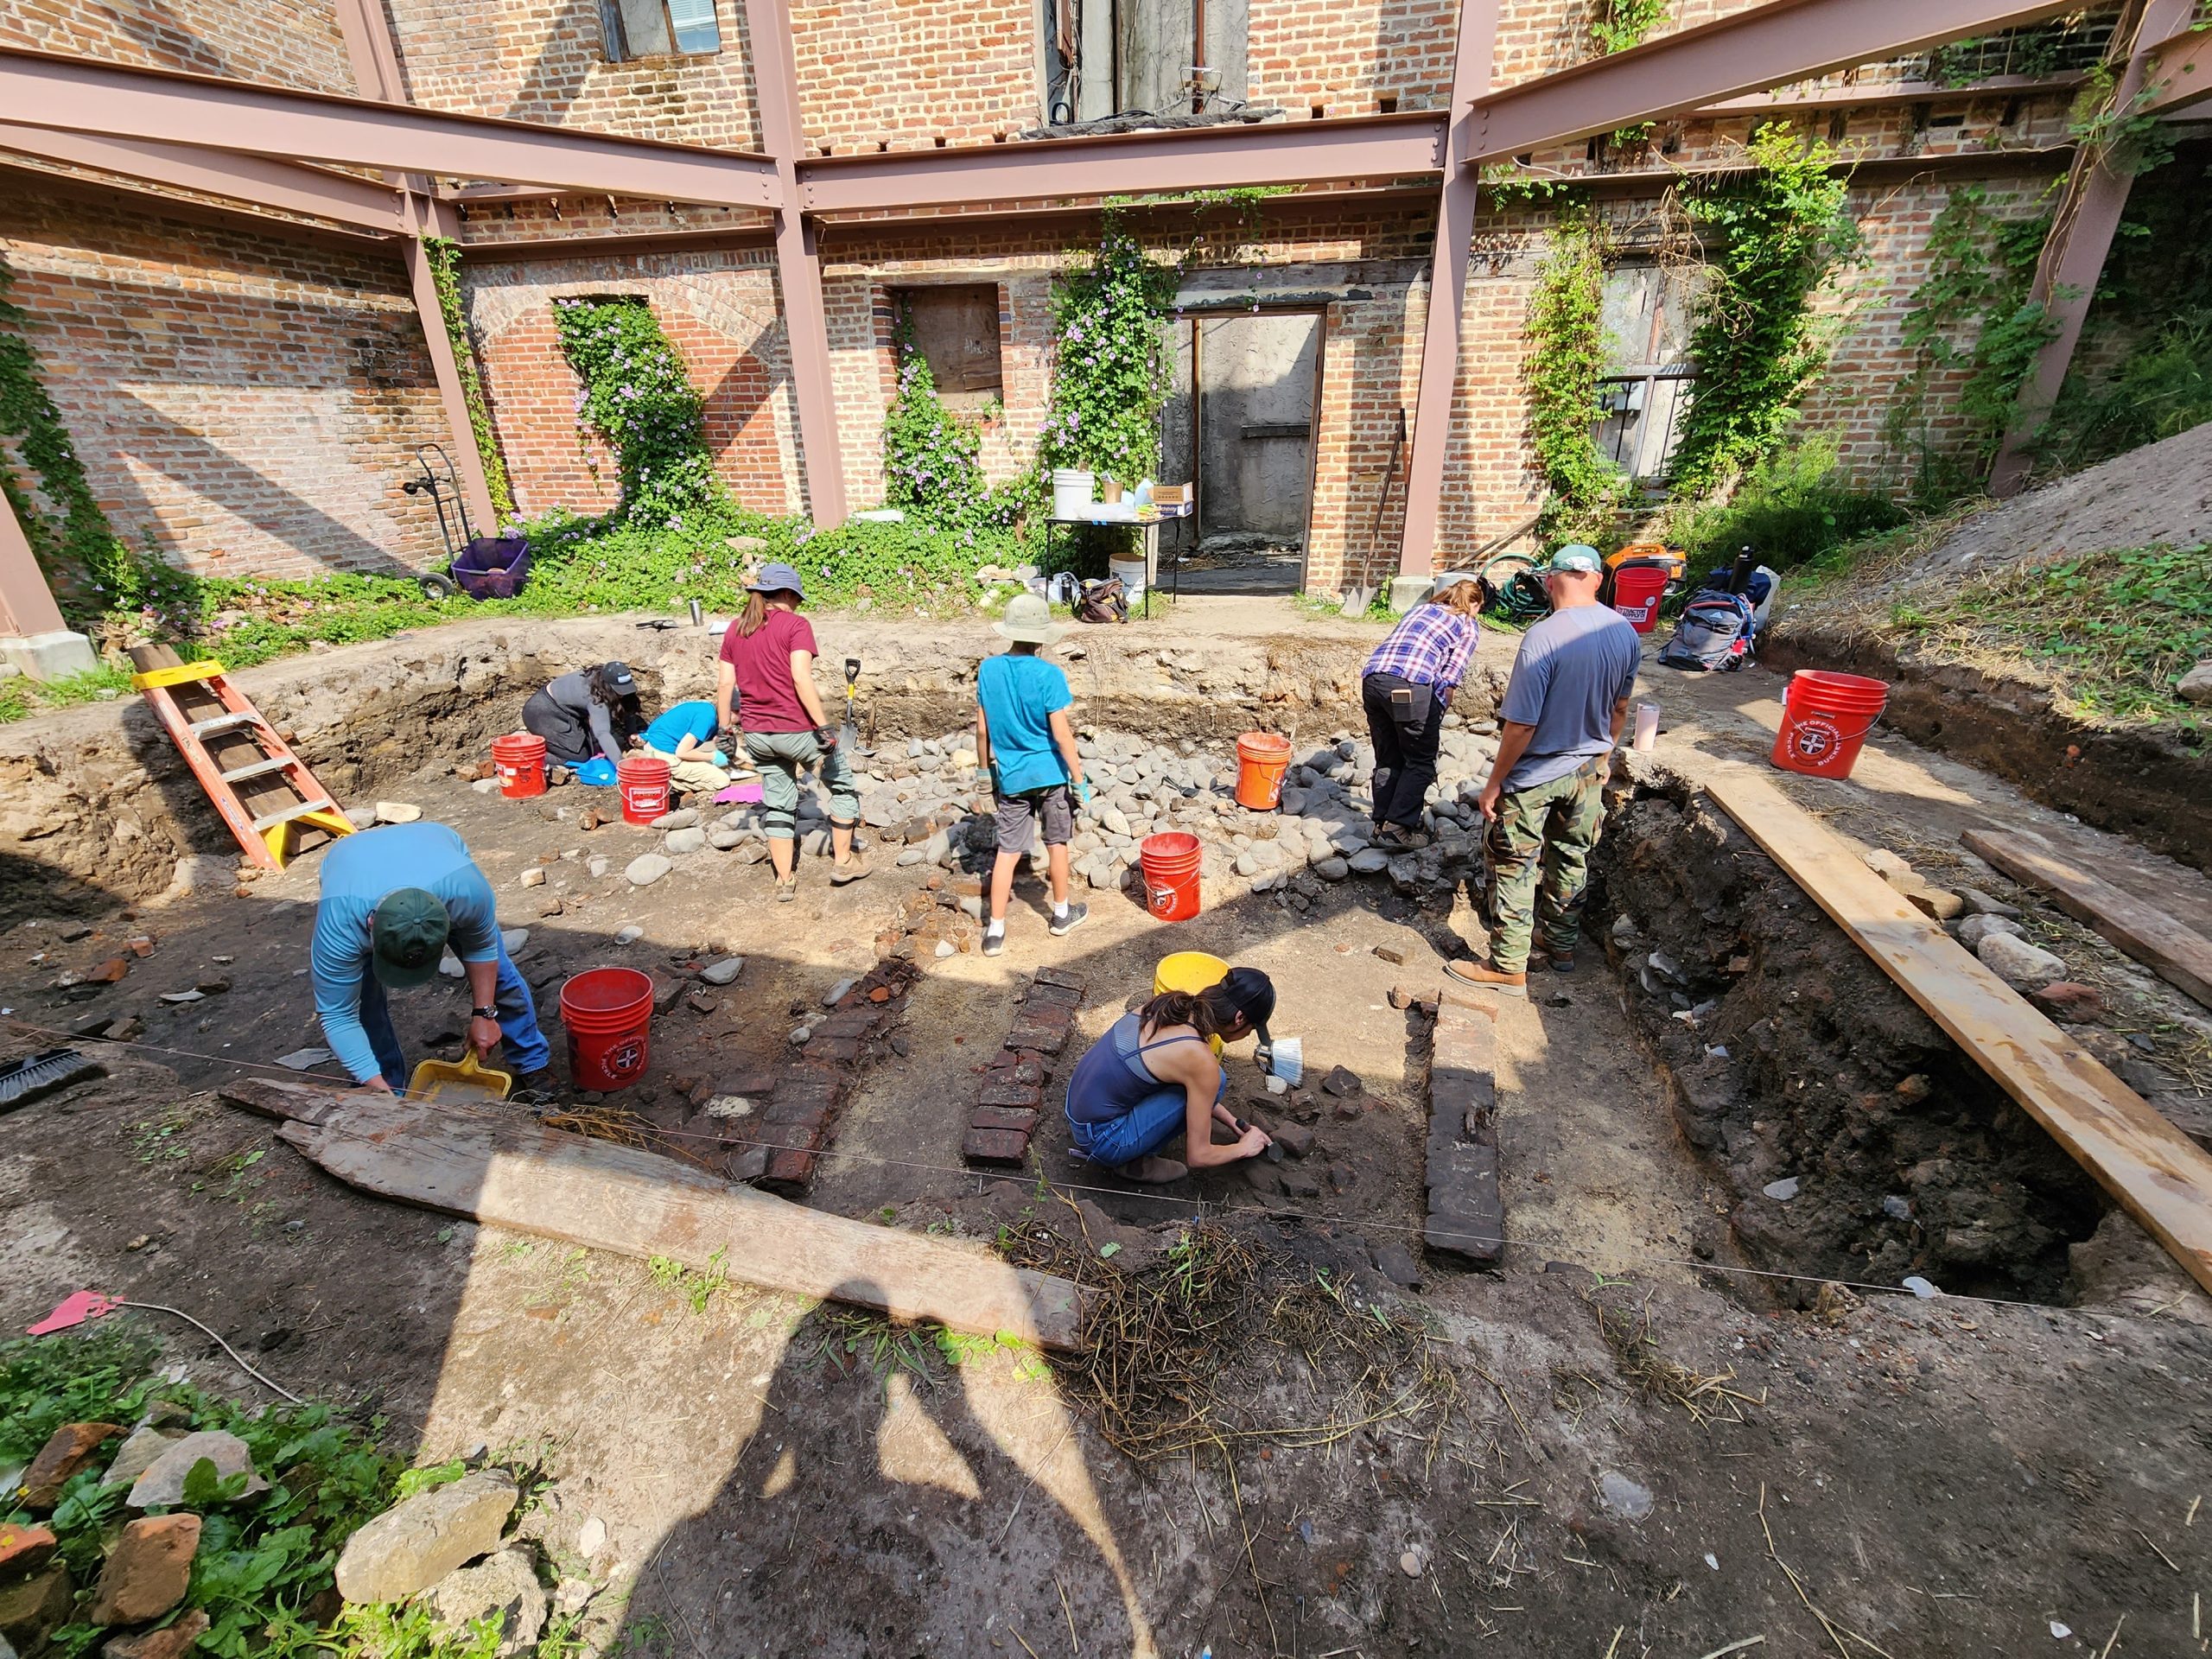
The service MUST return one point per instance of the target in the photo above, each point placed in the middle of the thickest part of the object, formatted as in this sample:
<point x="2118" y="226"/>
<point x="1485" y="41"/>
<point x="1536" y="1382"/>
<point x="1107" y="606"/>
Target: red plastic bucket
<point x="609" y="1015"/>
<point x="642" y="781"/>
<point x="1637" y="589"/>
<point x="1825" y="719"/>
<point x="1261" y="759"/>
<point x="519" y="757"/>
<point x="1170" y="861"/>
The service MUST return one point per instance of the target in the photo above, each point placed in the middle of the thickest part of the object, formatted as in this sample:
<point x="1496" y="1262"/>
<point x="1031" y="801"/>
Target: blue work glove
<point x="1082" y="791"/>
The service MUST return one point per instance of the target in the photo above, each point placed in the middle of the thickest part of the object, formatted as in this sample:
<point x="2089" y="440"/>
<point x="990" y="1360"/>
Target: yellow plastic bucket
<point x="1192" y="971"/>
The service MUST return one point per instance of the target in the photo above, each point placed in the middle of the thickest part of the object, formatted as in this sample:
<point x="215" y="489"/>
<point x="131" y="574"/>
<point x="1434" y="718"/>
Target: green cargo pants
<point x="1544" y="831"/>
<point x="779" y="755"/>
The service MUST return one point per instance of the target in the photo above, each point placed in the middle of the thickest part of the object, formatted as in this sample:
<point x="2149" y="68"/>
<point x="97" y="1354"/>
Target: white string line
<point x="1379" y="1223"/>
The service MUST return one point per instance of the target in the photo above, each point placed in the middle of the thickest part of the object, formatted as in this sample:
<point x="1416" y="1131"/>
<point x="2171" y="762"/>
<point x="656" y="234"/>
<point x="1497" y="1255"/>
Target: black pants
<point x="1405" y="749"/>
<point x="568" y="739"/>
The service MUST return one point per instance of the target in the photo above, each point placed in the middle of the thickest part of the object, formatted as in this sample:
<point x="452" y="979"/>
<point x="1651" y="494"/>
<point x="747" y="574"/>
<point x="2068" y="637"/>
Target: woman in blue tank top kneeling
<point x="1152" y="1077"/>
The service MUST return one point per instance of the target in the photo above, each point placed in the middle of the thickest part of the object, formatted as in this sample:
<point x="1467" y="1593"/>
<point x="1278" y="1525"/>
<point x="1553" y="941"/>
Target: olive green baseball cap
<point x="408" y="932"/>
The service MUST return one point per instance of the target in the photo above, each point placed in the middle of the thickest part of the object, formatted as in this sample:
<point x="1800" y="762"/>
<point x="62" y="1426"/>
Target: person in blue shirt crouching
<point x="394" y="898"/>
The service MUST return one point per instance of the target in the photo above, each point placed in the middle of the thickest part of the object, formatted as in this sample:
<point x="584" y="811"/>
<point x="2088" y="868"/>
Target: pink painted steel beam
<point x="27" y="606"/>
<point x="253" y="179"/>
<point x="1748" y="52"/>
<point x="2082" y="229"/>
<point x="798" y="263"/>
<point x="2180" y="73"/>
<point x="1130" y="163"/>
<point x="72" y="95"/>
<point x="1448" y="283"/>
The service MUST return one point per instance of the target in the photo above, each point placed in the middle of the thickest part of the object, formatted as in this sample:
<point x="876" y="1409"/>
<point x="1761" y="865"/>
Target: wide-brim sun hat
<point x="1028" y="621"/>
<point x="777" y="578"/>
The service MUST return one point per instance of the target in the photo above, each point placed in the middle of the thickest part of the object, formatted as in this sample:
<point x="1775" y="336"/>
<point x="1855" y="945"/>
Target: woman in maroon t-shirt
<point x="767" y="660"/>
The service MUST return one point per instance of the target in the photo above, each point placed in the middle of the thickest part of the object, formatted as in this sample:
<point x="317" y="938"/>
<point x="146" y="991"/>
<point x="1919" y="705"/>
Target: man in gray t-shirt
<point x="1562" y="714"/>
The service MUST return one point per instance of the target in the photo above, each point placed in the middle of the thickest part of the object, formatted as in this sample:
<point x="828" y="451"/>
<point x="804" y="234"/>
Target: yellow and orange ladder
<point x="264" y="791"/>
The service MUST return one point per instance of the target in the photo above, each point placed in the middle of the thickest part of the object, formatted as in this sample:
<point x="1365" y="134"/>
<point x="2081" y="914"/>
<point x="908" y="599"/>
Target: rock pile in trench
<point x="922" y="798"/>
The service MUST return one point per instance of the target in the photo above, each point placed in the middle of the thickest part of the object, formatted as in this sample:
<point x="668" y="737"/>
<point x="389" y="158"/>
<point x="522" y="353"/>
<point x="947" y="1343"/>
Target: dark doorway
<point x="1241" y="428"/>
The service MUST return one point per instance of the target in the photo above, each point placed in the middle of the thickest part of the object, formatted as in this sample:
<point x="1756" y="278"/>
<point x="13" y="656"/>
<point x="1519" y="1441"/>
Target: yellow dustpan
<point x="464" y="1082"/>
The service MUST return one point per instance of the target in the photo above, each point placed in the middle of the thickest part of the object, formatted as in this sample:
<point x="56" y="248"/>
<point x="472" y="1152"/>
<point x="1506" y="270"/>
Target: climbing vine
<point x="637" y="398"/>
<point x="1114" y="366"/>
<point x="444" y="254"/>
<point x="1972" y="316"/>
<point x="90" y="568"/>
<point x="1617" y="25"/>
<point x="1773" y="235"/>
<point x="932" y="469"/>
<point x="1567" y="331"/>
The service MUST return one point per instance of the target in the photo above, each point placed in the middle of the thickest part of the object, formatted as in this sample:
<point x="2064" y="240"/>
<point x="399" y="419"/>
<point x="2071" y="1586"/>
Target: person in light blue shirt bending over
<point x="682" y="734"/>
<point x="394" y="899"/>
<point x="1024" y="737"/>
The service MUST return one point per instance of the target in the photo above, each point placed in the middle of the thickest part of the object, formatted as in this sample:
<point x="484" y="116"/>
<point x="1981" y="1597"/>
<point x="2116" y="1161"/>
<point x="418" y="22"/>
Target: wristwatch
<point x="484" y="1014"/>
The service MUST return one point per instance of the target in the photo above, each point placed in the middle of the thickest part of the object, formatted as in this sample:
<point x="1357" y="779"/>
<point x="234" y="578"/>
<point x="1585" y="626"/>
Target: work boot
<point x="1488" y="977"/>
<point x="1559" y="961"/>
<point x="1076" y="916"/>
<point x="848" y="869"/>
<point x="534" y="1088"/>
<point x="1151" y="1172"/>
<point x="787" y="888"/>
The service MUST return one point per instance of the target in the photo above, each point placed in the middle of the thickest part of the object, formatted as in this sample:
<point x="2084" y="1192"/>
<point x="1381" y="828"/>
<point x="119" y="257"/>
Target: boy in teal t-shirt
<point x="1024" y="736"/>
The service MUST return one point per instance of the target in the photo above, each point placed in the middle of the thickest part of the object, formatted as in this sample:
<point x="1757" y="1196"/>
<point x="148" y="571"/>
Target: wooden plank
<point x="2155" y="1172"/>
<point x="506" y="1171"/>
<point x="2151" y="936"/>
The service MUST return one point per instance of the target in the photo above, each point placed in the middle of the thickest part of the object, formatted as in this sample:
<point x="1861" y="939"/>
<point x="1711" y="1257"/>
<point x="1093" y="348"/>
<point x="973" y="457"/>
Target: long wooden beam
<point x="1746" y="52"/>
<point x="505" y="1170"/>
<point x="40" y="89"/>
<point x="2154" y="1172"/>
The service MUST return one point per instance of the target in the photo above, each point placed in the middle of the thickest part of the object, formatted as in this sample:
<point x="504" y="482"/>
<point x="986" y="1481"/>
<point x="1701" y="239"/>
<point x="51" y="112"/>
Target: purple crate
<point x="492" y="567"/>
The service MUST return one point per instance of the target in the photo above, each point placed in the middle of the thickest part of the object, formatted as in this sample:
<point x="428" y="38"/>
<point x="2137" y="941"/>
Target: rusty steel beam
<point x="798" y="263"/>
<point x="2179" y="74"/>
<point x="40" y="89"/>
<point x="253" y="179"/>
<point x="1472" y="57"/>
<point x="1879" y="93"/>
<point x="1748" y="52"/>
<point x="2081" y="231"/>
<point x="1130" y="163"/>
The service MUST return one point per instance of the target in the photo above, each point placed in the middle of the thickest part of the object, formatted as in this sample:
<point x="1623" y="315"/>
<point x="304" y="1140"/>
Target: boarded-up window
<point x="1647" y="314"/>
<point x="659" y="29"/>
<point x="956" y="331"/>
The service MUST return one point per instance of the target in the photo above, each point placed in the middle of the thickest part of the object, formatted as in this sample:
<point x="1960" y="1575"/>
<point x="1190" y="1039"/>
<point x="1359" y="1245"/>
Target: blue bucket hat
<point x="777" y="578"/>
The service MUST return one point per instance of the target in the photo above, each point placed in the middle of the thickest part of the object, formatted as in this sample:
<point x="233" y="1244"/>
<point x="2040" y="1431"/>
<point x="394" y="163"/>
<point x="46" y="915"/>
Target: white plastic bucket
<point x="1073" y="492"/>
<point x="1130" y="573"/>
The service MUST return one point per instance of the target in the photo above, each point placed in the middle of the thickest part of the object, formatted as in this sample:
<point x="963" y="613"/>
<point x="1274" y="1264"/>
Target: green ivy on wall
<point x="1970" y="316"/>
<point x="637" y="398"/>
<point x="1773" y="235"/>
<point x="1114" y="366"/>
<point x="90" y="568"/>
<point x="932" y="466"/>
<point x="444" y="254"/>
<point x="1567" y="330"/>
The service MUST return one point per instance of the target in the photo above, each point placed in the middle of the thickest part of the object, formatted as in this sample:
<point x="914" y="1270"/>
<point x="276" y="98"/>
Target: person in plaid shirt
<point x="1406" y="686"/>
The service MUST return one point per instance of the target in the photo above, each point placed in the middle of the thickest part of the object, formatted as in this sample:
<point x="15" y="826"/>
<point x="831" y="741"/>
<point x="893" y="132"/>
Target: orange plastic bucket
<point x="642" y="781"/>
<point x="519" y="757"/>
<point x="1825" y="719"/>
<point x="609" y="1013"/>
<point x="1262" y="758"/>
<point x="1170" y="863"/>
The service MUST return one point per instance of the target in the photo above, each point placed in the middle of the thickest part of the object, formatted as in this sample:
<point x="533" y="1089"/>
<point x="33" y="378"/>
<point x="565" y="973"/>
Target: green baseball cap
<point x="409" y="931"/>
<point x="1576" y="558"/>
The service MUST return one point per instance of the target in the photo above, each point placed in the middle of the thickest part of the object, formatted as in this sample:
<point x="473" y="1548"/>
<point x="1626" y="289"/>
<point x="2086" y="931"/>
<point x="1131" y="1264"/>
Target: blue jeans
<point x="519" y="1038"/>
<point x="1150" y="1124"/>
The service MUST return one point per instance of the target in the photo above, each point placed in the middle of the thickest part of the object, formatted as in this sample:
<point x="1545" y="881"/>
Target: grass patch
<point x="2116" y="631"/>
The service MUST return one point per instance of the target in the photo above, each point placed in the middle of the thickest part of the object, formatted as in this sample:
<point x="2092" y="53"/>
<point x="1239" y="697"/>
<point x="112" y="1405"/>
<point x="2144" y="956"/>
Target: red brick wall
<point x="719" y="311"/>
<point x="247" y="403"/>
<point x="547" y="63"/>
<point x="906" y="73"/>
<point x="1343" y="58"/>
<point x="284" y="42"/>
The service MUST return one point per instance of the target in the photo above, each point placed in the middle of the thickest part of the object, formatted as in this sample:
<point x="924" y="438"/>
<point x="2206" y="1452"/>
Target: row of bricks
<point x="1011" y="1101"/>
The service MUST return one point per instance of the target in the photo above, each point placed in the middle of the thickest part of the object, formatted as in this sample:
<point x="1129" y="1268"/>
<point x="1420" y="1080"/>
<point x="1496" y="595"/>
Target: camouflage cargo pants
<point x="1538" y="853"/>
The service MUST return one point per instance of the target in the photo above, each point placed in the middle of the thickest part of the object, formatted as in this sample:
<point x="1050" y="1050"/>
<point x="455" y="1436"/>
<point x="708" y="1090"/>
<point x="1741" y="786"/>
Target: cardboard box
<point x="1170" y="495"/>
